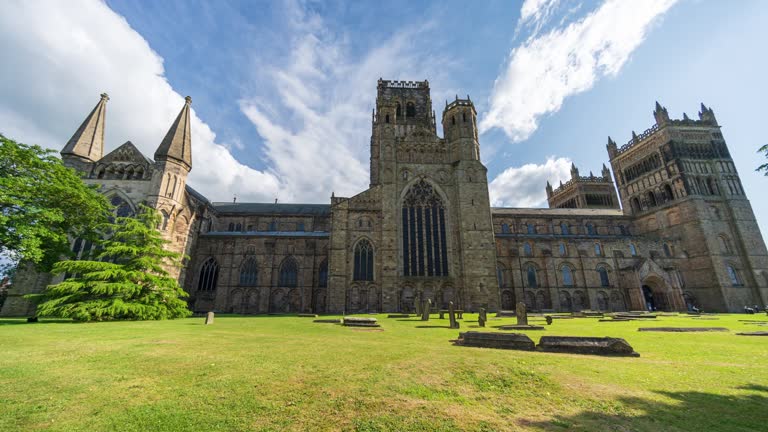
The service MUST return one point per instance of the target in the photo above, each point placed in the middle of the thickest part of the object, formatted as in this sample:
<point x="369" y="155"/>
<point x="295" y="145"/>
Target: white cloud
<point x="314" y="109"/>
<point x="525" y="186"/>
<point x="61" y="55"/>
<point x="547" y="68"/>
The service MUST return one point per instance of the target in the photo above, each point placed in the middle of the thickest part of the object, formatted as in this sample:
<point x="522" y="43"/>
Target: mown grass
<point x="287" y="373"/>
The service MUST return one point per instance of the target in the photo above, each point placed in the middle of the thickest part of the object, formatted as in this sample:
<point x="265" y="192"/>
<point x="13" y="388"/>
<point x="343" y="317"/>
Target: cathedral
<point x="667" y="227"/>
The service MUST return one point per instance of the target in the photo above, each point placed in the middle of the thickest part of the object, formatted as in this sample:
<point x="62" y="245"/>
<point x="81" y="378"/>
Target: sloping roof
<point x="88" y="140"/>
<point x="544" y="212"/>
<point x="197" y="195"/>
<point x="177" y="143"/>
<point x="271" y="208"/>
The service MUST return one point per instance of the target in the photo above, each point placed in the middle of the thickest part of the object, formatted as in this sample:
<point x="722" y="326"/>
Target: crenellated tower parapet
<point x="584" y="191"/>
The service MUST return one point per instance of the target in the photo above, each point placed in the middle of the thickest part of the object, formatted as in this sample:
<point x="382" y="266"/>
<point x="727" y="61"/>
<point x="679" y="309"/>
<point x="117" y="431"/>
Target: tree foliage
<point x="42" y="204"/>
<point x="126" y="281"/>
<point x="763" y="167"/>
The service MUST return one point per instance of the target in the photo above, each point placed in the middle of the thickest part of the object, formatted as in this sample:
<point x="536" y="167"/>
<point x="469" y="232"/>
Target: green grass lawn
<point x="288" y="373"/>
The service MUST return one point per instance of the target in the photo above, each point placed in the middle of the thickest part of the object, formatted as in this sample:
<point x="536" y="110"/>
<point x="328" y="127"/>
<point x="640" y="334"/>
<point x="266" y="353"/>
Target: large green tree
<point x="43" y="204"/>
<point x="126" y="281"/>
<point x="763" y="167"/>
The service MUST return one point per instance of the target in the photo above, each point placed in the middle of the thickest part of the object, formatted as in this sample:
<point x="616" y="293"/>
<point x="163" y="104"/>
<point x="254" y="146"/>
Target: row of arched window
<point x="565" y="229"/>
<point x="652" y="199"/>
<point x="562" y="249"/>
<point x="238" y="227"/>
<point x="566" y="276"/>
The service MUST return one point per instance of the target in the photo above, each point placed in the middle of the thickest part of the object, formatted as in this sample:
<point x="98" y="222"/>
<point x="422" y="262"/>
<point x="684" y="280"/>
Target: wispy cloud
<point x="525" y="186"/>
<point x="567" y="60"/>
<point x="317" y="125"/>
<point x="66" y="53"/>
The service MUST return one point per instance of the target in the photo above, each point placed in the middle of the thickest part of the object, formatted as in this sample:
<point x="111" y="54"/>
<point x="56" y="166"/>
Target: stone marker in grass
<point x="482" y="318"/>
<point x="514" y="341"/>
<point x="328" y="321"/>
<point x="209" y="318"/>
<point x="398" y="316"/>
<point x="683" y="329"/>
<point x="606" y="346"/>
<point x="360" y="322"/>
<point x="452" y="316"/>
<point x="425" y="309"/>
<point x="307" y="315"/>
<point x="754" y="333"/>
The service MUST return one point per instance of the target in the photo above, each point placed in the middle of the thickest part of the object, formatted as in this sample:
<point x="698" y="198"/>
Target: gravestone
<point x="754" y="333"/>
<point x="549" y="319"/>
<point x="398" y="316"/>
<point x="417" y="302"/>
<point x="482" y="318"/>
<point x="522" y="314"/>
<point x="360" y="322"/>
<point x="209" y="318"/>
<point x="425" y="310"/>
<point x="32" y="319"/>
<point x="328" y="321"/>
<point x="452" y="316"/>
<point x="587" y="345"/>
<point x="515" y="341"/>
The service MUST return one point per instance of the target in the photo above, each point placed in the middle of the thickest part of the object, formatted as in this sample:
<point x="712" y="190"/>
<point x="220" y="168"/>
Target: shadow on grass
<point x="688" y="411"/>
<point x="17" y="321"/>
<point x="426" y="326"/>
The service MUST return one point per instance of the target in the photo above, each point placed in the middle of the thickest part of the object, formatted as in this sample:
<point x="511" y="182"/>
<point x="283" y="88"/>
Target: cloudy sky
<point x="283" y="91"/>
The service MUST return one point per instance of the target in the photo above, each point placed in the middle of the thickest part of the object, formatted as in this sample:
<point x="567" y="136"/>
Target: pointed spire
<point x="177" y="143"/>
<point x="574" y="171"/>
<point x="703" y="107"/>
<point x="88" y="141"/>
<point x="685" y="117"/>
<point x="658" y="106"/>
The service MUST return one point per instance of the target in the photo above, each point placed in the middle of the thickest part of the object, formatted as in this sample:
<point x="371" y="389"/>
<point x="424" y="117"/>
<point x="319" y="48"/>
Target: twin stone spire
<point x="87" y="144"/>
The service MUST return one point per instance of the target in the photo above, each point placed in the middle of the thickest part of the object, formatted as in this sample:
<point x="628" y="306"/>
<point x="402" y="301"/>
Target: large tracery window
<point x="289" y="273"/>
<point x="249" y="272"/>
<point x="363" y="261"/>
<point x="209" y="276"/>
<point x="425" y="251"/>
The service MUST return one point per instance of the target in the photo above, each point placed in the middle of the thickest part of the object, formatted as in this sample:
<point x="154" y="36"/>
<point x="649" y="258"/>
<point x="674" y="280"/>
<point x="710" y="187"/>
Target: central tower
<point x="425" y="221"/>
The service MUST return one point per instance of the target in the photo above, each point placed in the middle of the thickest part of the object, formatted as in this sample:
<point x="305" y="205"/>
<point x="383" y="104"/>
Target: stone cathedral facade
<point x="679" y="233"/>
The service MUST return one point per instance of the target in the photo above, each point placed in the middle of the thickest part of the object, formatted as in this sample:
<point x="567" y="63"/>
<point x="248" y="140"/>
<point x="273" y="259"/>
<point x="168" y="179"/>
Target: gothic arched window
<point x="289" y="271"/>
<point x="505" y="228"/>
<point x="209" y="275"/>
<point x="527" y="249"/>
<point x="122" y="208"/>
<point x="604" y="281"/>
<point x="564" y="229"/>
<point x="363" y="261"/>
<point x="249" y="273"/>
<point x="567" y="276"/>
<point x="733" y="274"/>
<point x="500" y="275"/>
<point x="322" y="279"/>
<point x="532" y="276"/>
<point x="398" y="111"/>
<point x="410" y="110"/>
<point x="563" y="249"/>
<point x="425" y="248"/>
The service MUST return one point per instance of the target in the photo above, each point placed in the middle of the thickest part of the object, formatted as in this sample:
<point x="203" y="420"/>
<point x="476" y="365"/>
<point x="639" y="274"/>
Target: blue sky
<point x="282" y="91"/>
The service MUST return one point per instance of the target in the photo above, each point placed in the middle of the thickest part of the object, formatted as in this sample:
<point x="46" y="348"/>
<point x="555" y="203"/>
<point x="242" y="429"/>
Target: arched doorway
<point x="654" y="296"/>
<point x="507" y="300"/>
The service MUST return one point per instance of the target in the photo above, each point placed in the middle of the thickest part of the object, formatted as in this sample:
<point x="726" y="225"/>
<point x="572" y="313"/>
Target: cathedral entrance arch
<point x="655" y="294"/>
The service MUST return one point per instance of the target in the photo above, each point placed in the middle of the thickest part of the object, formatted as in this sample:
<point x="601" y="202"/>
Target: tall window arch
<point x="527" y="249"/>
<point x="322" y="277"/>
<point x="564" y="229"/>
<point x="532" y="282"/>
<point x="363" y="261"/>
<point x="249" y="272"/>
<point x="603" y="273"/>
<point x="500" y="275"/>
<point x="725" y="244"/>
<point x="733" y="275"/>
<point x="425" y="247"/>
<point x="398" y="111"/>
<point x="289" y="273"/>
<point x="122" y="208"/>
<point x="567" y="275"/>
<point x="209" y="275"/>
<point x="667" y="250"/>
<point x="633" y="249"/>
<point x="410" y="109"/>
<point x="563" y="249"/>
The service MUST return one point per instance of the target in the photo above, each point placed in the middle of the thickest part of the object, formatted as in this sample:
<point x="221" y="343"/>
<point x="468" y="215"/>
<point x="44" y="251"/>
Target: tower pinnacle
<point x="177" y="144"/>
<point x="88" y="141"/>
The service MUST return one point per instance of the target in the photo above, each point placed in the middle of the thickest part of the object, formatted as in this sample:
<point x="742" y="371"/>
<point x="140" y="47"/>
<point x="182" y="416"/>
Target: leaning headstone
<point x="683" y="329"/>
<point x="425" y="310"/>
<point x="516" y="341"/>
<point x="522" y="314"/>
<point x="587" y="345"/>
<point x="549" y="319"/>
<point x="452" y="316"/>
<point x="209" y="318"/>
<point x="482" y="318"/>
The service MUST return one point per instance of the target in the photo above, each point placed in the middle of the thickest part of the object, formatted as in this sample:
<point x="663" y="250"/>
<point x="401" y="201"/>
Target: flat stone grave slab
<point x="562" y="317"/>
<point x="520" y="327"/>
<point x="753" y="321"/>
<point x="683" y="329"/>
<point x="638" y="316"/>
<point x="328" y="321"/>
<point x="307" y="315"/>
<point x="754" y="333"/>
<point x="606" y="346"/>
<point x="505" y="313"/>
<point x="398" y="316"/>
<point x="360" y="322"/>
<point x="587" y="314"/>
<point x="706" y="318"/>
<point x="616" y="319"/>
<point x="514" y="341"/>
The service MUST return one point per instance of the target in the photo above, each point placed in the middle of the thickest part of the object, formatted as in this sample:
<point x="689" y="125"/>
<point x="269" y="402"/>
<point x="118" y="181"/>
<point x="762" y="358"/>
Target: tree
<point x="763" y="167"/>
<point x="43" y="204"/>
<point x="127" y="281"/>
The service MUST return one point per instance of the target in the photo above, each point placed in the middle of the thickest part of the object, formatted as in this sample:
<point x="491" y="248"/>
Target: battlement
<point x="581" y="179"/>
<point x="402" y="84"/>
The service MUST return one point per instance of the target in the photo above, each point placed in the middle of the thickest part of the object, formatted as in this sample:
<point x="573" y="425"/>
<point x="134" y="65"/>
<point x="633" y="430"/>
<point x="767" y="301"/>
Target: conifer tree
<point x="125" y="281"/>
<point x="763" y="167"/>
